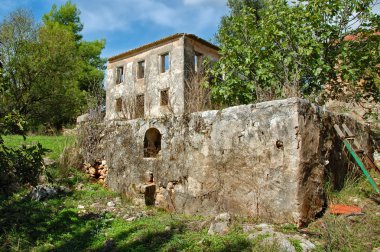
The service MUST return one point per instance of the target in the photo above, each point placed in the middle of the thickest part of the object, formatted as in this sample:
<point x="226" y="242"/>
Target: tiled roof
<point x="160" y="42"/>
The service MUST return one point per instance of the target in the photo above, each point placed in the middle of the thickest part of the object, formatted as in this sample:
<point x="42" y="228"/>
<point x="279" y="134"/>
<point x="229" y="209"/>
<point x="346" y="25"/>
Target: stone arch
<point x="152" y="142"/>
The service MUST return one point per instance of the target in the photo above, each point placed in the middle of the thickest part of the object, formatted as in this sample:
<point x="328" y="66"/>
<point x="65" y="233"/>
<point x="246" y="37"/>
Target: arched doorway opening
<point x="152" y="142"/>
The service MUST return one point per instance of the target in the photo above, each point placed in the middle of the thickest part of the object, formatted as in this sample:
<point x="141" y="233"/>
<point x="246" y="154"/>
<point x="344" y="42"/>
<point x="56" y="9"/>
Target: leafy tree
<point x="50" y="74"/>
<point x="91" y="64"/>
<point x="68" y="16"/>
<point x="40" y="68"/>
<point x="281" y="50"/>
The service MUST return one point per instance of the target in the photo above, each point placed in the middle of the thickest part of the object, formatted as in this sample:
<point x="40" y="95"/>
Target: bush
<point x="18" y="166"/>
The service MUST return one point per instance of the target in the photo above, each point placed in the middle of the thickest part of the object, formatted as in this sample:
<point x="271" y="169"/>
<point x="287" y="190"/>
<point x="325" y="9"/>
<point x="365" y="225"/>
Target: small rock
<point x="248" y="228"/>
<point x="95" y="205"/>
<point x="264" y="226"/>
<point x="259" y="233"/>
<point x="223" y="217"/>
<point x="140" y="215"/>
<point x="131" y="218"/>
<point x="48" y="161"/>
<point x="64" y="189"/>
<point x="218" y="228"/>
<point x="111" y="204"/>
<point x="170" y="186"/>
<point x="307" y="245"/>
<point x="42" y="192"/>
<point x="167" y="228"/>
<point x="80" y="207"/>
<point x="79" y="186"/>
<point x="283" y="244"/>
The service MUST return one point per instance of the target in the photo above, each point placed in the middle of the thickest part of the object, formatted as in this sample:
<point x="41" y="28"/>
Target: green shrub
<point x="18" y="166"/>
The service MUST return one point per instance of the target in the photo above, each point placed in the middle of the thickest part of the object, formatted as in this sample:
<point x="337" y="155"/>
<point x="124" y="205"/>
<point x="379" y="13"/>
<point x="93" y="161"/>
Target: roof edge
<point x="160" y="42"/>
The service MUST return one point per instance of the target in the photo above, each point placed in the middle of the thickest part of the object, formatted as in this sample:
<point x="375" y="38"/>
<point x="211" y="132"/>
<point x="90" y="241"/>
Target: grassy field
<point x="54" y="143"/>
<point x="81" y="219"/>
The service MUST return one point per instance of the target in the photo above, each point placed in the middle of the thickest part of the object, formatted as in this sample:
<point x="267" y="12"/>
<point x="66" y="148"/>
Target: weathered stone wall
<point x="265" y="160"/>
<point x="181" y="60"/>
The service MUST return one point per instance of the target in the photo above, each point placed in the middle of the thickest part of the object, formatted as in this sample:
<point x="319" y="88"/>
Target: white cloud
<point x="205" y="2"/>
<point x="122" y="15"/>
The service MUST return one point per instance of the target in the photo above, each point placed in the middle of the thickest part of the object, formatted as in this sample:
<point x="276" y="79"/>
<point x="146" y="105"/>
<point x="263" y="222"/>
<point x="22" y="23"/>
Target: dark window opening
<point x="139" y="110"/>
<point x="164" y="62"/>
<point x="140" y="69"/>
<point x="197" y="62"/>
<point x="119" y="75"/>
<point x="152" y="142"/>
<point x="164" y="97"/>
<point x="119" y="105"/>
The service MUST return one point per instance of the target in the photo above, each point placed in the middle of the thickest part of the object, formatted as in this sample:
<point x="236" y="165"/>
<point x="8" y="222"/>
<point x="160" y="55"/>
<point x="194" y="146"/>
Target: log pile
<point x="97" y="171"/>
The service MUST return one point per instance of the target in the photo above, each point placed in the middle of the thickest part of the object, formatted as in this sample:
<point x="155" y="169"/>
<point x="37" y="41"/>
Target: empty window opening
<point x="119" y="75"/>
<point x="164" y="62"/>
<point x="139" y="110"/>
<point x="119" y="105"/>
<point x="197" y="61"/>
<point x="152" y="142"/>
<point x="164" y="97"/>
<point x="140" y="69"/>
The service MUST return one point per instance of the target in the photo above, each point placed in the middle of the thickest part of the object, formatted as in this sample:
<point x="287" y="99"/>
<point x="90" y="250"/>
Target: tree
<point x="91" y="64"/>
<point x="50" y="74"/>
<point x="281" y="50"/>
<point x="40" y="68"/>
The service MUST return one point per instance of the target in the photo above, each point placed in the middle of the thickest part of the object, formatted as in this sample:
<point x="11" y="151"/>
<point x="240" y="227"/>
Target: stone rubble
<point x="43" y="192"/>
<point x="278" y="239"/>
<point x="97" y="171"/>
<point x="220" y="225"/>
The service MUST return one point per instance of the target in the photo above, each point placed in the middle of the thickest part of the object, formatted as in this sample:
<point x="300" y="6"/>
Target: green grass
<point x="54" y="143"/>
<point x="350" y="233"/>
<point x="58" y="224"/>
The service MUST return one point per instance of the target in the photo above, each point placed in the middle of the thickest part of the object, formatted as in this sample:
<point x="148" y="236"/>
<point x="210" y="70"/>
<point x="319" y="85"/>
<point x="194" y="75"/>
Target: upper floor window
<point x="164" y="62"/>
<point x="119" y="75"/>
<point x="119" y="105"/>
<point x="141" y="69"/>
<point x="197" y="61"/>
<point x="164" y="97"/>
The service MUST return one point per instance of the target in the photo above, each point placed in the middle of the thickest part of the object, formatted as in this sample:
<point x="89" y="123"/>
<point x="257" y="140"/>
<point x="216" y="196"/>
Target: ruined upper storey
<point x="156" y="79"/>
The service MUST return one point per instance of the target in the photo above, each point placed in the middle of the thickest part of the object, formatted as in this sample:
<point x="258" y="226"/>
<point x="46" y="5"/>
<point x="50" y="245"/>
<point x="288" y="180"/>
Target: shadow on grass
<point x="50" y="226"/>
<point x="25" y="224"/>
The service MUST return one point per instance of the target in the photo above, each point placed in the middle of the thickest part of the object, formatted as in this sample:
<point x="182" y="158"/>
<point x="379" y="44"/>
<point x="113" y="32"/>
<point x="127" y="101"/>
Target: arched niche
<point x="152" y="142"/>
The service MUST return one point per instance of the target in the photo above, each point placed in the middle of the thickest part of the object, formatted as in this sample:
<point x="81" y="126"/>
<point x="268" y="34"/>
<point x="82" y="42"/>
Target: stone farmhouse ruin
<point x="266" y="160"/>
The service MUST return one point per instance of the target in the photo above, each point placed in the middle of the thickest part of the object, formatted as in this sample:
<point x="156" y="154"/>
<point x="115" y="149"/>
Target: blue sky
<point x="126" y="24"/>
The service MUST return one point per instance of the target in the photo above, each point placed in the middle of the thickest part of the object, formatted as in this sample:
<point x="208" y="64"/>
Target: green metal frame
<point x="361" y="165"/>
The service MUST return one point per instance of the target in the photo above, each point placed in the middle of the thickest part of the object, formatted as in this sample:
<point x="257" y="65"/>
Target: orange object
<point x="344" y="209"/>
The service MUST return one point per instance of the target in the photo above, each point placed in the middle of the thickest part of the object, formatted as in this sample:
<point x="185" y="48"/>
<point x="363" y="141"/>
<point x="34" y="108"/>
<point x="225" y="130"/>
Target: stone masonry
<point x="266" y="160"/>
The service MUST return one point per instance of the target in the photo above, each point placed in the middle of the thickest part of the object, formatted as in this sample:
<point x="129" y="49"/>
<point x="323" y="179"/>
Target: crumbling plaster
<point x="181" y="56"/>
<point x="261" y="160"/>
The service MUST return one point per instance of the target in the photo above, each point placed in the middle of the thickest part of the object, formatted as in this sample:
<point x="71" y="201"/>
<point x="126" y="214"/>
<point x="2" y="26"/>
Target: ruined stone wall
<point x="245" y="160"/>
<point x="265" y="160"/>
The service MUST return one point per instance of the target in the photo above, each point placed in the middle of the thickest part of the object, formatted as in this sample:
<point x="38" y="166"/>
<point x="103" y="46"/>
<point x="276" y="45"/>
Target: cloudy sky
<point x="126" y="24"/>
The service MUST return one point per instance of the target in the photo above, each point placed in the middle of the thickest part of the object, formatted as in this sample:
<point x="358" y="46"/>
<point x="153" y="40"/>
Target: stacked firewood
<point x="97" y="171"/>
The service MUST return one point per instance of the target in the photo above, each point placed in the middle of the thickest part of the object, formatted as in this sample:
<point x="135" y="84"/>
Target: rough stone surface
<point x="231" y="160"/>
<point x="220" y="225"/>
<point x="43" y="192"/>
<point x="218" y="228"/>
<point x="181" y="59"/>
<point x="279" y="242"/>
